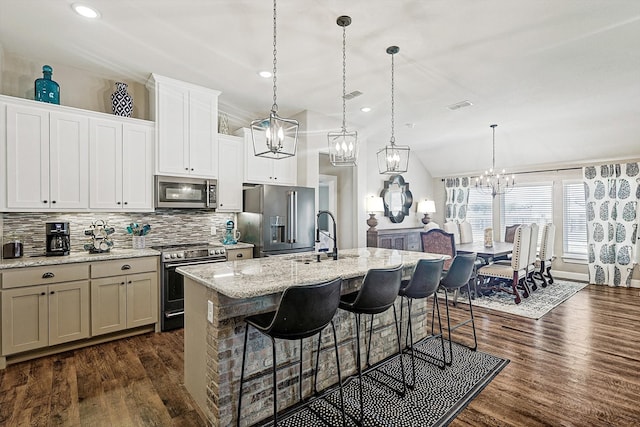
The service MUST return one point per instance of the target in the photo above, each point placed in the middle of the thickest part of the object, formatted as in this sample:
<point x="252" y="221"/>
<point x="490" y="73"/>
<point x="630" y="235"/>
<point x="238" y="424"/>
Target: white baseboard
<point x="583" y="277"/>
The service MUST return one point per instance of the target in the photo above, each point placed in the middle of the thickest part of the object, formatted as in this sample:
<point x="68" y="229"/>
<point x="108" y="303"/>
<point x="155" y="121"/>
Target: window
<point x="479" y="212"/>
<point x="574" y="233"/>
<point x="526" y="204"/>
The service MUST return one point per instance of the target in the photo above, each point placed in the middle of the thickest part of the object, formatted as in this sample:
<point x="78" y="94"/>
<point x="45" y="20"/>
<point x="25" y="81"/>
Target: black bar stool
<point x="423" y="284"/>
<point x="458" y="276"/>
<point x="378" y="292"/>
<point x="303" y="311"/>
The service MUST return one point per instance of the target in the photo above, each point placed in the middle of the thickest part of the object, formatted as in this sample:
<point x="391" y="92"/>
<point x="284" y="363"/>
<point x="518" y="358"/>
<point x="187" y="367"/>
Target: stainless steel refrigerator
<point x="278" y="219"/>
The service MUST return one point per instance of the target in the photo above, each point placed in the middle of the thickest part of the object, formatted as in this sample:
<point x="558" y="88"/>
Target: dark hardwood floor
<point x="577" y="366"/>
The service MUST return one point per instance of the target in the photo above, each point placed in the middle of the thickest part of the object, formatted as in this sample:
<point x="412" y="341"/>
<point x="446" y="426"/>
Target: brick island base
<point x="213" y="352"/>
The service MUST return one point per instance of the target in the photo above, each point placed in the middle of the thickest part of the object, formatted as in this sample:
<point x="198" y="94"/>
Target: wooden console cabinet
<point x="405" y="239"/>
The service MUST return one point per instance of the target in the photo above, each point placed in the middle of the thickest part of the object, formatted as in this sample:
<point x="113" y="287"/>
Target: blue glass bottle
<point x="46" y="90"/>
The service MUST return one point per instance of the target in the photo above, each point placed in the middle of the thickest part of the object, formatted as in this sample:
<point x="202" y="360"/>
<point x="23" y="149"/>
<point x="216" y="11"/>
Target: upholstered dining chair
<point x="438" y="241"/>
<point x="509" y="233"/>
<point x="491" y="275"/>
<point x="543" y="263"/>
<point x="466" y="232"/>
<point x="533" y="254"/>
<point x="453" y="228"/>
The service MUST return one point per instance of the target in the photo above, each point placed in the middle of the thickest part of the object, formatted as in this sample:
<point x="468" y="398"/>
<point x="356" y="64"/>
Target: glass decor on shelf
<point x="47" y="90"/>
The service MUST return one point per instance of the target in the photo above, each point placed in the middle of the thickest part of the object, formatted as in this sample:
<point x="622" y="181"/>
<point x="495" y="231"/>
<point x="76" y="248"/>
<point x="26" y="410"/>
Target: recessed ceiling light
<point x="365" y="109"/>
<point x="85" y="11"/>
<point x="265" y="74"/>
<point x="410" y="125"/>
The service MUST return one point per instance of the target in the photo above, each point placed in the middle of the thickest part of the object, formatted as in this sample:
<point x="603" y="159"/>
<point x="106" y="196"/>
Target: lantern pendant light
<point x="274" y="137"/>
<point x="343" y="145"/>
<point x="393" y="158"/>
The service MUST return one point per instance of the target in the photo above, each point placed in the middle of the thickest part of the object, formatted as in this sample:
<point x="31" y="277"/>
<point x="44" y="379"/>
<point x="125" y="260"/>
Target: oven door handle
<point x="174" y="314"/>
<point x="187" y="264"/>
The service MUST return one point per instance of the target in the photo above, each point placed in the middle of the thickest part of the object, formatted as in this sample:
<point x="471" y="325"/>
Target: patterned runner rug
<point x="438" y="397"/>
<point x="539" y="303"/>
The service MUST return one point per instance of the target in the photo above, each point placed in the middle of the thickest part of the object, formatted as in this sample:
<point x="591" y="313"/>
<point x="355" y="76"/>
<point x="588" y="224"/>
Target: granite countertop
<point x="264" y="276"/>
<point x="239" y="245"/>
<point x="76" y="256"/>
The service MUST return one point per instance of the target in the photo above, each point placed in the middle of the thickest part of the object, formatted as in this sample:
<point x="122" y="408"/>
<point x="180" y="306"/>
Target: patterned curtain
<point x="457" y="196"/>
<point x="612" y="193"/>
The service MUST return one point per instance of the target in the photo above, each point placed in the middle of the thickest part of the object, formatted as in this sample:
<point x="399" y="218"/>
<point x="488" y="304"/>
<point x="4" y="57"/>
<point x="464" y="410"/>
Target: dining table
<point x="488" y="253"/>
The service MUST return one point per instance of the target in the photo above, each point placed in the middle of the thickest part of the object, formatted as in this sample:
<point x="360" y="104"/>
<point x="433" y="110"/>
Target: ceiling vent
<point x="459" y="105"/>
<point x="352" y="95"/>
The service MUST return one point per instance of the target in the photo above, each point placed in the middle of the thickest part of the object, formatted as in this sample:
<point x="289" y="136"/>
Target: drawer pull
<point x="239" y="256"/>
<point x="125" y="267"/>
<point x="122" y="283"/>
<point x="48" y="275"/>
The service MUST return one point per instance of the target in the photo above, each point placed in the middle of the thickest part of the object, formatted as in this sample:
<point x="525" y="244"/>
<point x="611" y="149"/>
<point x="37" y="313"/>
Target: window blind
<point x="479" y="212"/>
<point x="526" y="204"/>
<point x="574" y="233"/>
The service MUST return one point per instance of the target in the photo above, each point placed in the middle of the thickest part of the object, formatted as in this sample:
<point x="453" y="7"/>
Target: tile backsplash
<point x="168" y="226"/>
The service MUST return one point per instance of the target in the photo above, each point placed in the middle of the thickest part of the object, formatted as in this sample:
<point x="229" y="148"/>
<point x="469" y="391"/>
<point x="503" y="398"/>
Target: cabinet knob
<point x="121" y="283"/>
<point x="48" y="275"/>
<point x="53" y="201"/>
<point x="186" y="169"/>
<point x="239" y="256"/>
<point x="275" y="177"/>
<point x="43" y="293"/>
<point x="191" y="168"/>
<point x="125" y="267"/>
<point x="126" y="203"/>
<point x="52" y="292"/>
<point x="129" y="282"/>
<point x="119" y="203"/>
<point x="45" y="201"/>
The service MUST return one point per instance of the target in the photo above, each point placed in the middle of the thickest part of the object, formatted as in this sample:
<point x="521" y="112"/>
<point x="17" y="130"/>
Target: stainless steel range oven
<point x="172" y="283"/>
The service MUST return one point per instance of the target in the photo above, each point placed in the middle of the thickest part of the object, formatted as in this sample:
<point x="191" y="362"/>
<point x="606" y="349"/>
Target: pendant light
<point x="393" y="159"/>
<point x="492" y="182"/>
<point x="274" y="137"/>
<point x="343" y="145"/>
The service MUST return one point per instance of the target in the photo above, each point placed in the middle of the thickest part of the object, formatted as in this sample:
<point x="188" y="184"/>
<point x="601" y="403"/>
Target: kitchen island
<point x="217" y="298"/>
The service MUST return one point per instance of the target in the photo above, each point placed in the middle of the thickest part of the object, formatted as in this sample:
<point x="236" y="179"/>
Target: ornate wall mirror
<point x="397" y="198"/>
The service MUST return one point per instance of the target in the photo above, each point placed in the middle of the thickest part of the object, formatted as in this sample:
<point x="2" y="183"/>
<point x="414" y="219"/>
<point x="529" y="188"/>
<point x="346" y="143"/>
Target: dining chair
<point x="533" y="254"/>
<point x="423" y="283"/>
<point x="304" y="311"/>
<point x="509" y="233"/>
<point x="466" y="232"/>
<point x="457" y="277"/>
<point x="453" y="228"/>
<point x="492" y="275"/>
<point x="438" y="241"/>
<point x="546" y="255"/>
<point x="379" y="290"/>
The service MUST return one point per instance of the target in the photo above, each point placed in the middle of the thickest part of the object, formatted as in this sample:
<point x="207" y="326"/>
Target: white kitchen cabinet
<point x="121" y="171"/>
<point x="262" y="170"/>
<point x="187" y="127"/>
<point x="231" y="176"/>
<point x="47" y="153"/>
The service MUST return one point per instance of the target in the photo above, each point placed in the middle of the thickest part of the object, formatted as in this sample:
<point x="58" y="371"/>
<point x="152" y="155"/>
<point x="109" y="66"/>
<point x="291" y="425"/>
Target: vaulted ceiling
<point x="560" y="78"/>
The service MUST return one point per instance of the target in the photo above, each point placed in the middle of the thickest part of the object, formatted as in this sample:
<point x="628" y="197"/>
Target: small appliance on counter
<point x="58" y="238"/>
<point x="99" y="233"/>
<point x="231" y="236"/>
<point x="12" y="249"/>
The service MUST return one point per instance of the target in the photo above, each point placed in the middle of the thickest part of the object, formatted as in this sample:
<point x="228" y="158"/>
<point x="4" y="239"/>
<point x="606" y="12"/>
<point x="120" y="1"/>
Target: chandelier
<point x="491" y="182"/>
<point x="343" y="145"/>
<point x="393" y="159"/>
<point x="274" y="137"/>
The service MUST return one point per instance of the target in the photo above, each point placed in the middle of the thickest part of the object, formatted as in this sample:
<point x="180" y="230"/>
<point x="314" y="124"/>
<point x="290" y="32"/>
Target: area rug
<point x="438" y="397"/>
<point x="539" y="303"/>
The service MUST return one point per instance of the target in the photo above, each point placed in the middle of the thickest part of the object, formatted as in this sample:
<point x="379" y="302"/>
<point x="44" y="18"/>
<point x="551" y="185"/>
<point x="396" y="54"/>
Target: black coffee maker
<point x="58" y="238"/>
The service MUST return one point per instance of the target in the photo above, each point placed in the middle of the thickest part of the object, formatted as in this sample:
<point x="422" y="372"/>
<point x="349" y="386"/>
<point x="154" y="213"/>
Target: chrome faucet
<point x="334" y="237"/>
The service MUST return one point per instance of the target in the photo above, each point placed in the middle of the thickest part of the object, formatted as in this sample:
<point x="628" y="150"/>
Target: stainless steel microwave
<point x="189" y="193"/>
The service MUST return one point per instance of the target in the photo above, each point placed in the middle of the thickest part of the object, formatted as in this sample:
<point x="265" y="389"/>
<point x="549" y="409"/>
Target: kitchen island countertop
<point x="76" y="256"/>
<point x="264" y="276"/>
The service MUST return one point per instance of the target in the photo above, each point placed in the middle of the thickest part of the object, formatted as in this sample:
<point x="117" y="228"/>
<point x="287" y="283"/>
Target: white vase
<point x="138" y="242"/>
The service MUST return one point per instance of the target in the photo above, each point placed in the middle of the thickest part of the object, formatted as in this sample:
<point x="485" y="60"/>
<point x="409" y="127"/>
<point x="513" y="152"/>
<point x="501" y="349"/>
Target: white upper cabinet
<point x="47" y="154"/>
<point x="121" y="166"/>
<point x="230" y="180"/>
<point x="262" y="170"/>
<point x="187" y="127"/>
